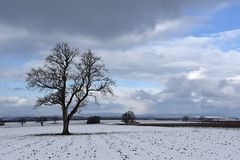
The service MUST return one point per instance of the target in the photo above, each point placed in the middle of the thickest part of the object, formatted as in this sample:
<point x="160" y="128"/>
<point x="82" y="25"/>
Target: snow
<point x="118" y="142"/>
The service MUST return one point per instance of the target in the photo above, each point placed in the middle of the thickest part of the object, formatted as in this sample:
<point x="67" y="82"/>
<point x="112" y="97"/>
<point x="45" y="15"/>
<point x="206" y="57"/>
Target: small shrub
<point x="93" y="120"/>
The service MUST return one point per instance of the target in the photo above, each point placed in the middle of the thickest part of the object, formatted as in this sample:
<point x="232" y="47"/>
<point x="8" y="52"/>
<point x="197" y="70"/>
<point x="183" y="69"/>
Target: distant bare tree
<point x="1" y="122"/>
<point x="69" y="79"/>
<point x="202" y="118"/>
<point x="22" y="121"/>
<point x="128" y="117"/>
<point x="41" y="120"/>
<point x="55" y="119"/>
<point x="185" y="118"/>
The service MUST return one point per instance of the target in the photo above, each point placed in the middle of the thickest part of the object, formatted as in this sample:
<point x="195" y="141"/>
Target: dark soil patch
<point x="217" y="124"/>
<point x="76" y="134"/>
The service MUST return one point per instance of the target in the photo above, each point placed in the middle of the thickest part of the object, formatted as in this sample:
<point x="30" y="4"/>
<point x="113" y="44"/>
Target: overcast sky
<point x="178" y="57"/>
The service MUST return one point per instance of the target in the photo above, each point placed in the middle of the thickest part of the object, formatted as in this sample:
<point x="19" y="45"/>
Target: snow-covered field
<point x="106" y="142"/>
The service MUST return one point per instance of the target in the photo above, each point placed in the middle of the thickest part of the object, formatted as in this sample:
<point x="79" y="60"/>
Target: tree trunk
<point x="65" y="127"/>
<point x="65" y="123"/>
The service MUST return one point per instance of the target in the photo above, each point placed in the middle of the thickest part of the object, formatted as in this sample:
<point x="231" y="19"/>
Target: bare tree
<point x="22" y="121"/>
<point x="128" y="117"/>
<point x="55" y="118"/>
<point x="41" y="120"/>
<point x="1" y="122"/>
<point x="185" y="118"/>
<point x="69" y="79"/>
<point x="202" y="118"/>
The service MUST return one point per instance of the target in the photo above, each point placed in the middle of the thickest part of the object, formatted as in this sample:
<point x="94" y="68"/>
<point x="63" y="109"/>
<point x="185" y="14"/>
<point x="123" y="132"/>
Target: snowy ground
<point x="106" y="142"/>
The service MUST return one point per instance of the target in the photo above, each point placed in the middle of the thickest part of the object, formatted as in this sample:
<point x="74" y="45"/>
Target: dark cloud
<point x="101" y="19"/>
<point x="28" y="27"/>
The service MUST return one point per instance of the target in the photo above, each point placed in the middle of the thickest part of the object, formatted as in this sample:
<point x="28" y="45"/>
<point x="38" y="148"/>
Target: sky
<point x="175" y="57"/>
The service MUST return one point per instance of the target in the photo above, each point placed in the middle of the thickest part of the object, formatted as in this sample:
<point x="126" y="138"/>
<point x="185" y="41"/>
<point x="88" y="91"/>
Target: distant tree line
<point x="1" y="122"/>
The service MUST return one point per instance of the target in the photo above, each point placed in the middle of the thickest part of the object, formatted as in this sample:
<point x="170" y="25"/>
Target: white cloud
<point x="227" y="35"/>
<point x="197" y="74"/>
<point x="157" y="61"/>
<point x="162" y="30"/>
<point x="15" y="101"/>
<point x="10" y="33"/>
<point x="234" y="79"/>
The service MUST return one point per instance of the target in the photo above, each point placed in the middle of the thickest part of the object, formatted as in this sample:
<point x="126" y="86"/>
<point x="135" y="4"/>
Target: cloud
<point x="158" y="60"/>
<point x="194" y="97"/>
<point x="18" y="106"/>
<point x="28" y="28"/>
<point x="96" y="19"/>
<point x="161" y="30"/>
<point x="9" y="33"/>
<point x="198" y="74"/>
<point x="144" y="42"/>
<point x="194" y="74"/>
<point x="15" y="101"/>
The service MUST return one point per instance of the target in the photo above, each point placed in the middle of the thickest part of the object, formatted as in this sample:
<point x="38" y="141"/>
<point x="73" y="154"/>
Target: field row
<point x="120" y="142"/>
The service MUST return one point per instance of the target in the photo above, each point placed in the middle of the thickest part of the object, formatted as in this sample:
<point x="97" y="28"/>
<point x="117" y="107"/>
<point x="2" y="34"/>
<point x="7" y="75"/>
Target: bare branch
<point x="49" y="100"/>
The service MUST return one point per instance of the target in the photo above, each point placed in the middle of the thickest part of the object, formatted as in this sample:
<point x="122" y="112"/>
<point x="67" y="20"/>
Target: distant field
<point x="106" y="142"/>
